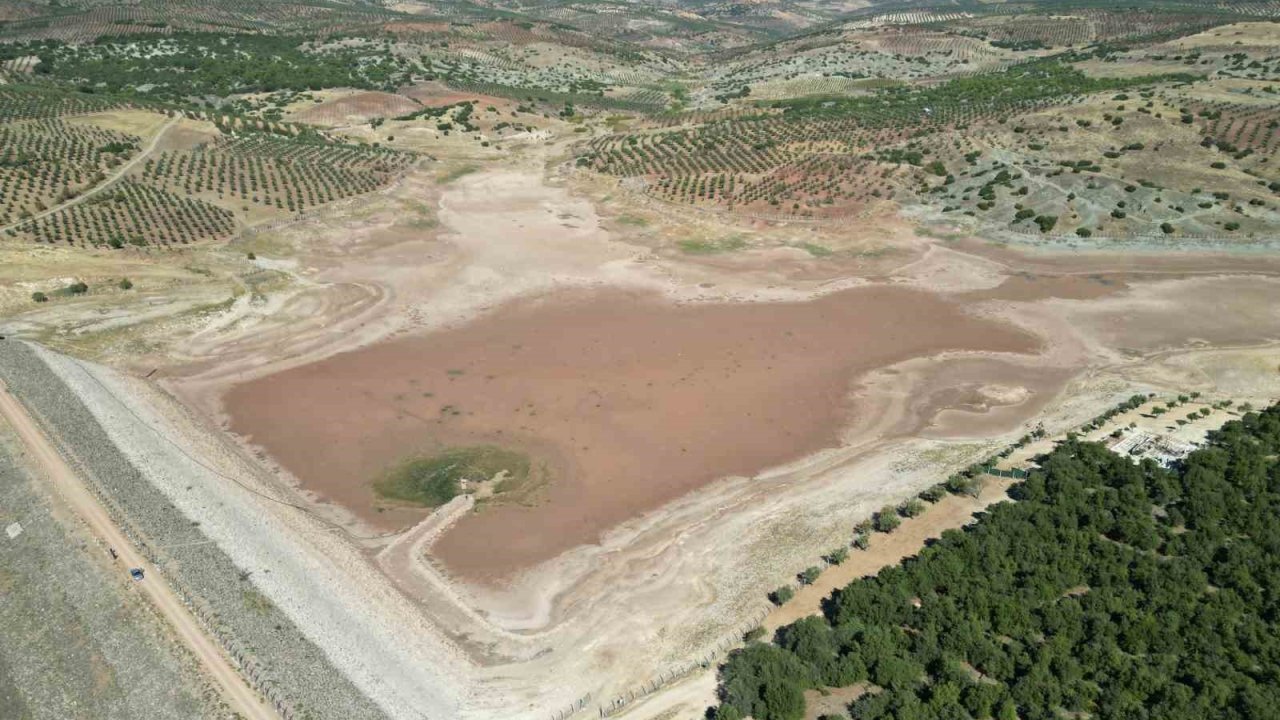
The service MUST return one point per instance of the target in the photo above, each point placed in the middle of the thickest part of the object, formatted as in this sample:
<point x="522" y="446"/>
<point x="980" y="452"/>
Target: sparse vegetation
<point x="146" y="146"/>
<point x="435" y="480"/>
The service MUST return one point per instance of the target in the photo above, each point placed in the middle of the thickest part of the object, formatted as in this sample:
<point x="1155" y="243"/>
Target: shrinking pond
<point x="619" y="401"/>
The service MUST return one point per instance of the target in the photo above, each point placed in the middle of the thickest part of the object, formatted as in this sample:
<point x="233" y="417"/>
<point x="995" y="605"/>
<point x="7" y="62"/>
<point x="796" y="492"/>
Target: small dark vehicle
<point x="135" y="573"/>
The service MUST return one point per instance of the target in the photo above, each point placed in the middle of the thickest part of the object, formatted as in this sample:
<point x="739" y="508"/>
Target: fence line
<point x="726" y="643"/>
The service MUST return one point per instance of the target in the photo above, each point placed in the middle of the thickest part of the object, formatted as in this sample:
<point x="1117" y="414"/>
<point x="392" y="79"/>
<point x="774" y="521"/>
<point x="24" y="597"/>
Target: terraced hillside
<point x="1155" y="125"/>
<point x="709" y="281"/>
<point x="88" y="172"/>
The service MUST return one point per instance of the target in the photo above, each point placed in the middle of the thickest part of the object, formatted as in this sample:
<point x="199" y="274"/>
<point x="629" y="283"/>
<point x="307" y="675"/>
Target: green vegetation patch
<point x="711" y="247"/>
<point x="815" y="249"/>
<point x="435" y="480"/>
<point x="454" y="173"/>
<point x="1107" y="590"/>
<point x="187" y="64"/>
<point x="632" y="220"/>
<point x="1024" y="85"/>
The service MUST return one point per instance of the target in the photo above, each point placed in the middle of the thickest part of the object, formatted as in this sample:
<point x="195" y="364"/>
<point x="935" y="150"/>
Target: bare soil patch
<point x="357" y="109"/>
<point x="1027" y="287"/>
<point x="435" y="94"/>
<point x="950" y="513"/>
<point x="1222" y="311"/>
<point x="628" y="401"/>
<point x="831" y="701"/>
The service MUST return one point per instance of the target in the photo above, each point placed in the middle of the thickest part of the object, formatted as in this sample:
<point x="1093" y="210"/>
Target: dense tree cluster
<point x="34" y="102"/>
<point x="201" y="64"/>
<point x="1107" y="590"/>
<point x="1018" y="88"/>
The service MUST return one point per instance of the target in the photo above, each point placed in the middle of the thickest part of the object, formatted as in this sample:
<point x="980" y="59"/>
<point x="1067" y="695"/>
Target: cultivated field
<point x="518" y="360"/>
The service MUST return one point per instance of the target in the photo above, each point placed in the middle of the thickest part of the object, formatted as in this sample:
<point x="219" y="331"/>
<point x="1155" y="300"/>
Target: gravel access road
<point x="238" y="695"/>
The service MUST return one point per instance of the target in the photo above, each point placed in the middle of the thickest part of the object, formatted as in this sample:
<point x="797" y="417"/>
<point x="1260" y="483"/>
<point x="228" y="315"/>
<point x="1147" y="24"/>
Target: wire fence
<point x="1016" y="473"/>
<point x="703" y="662"/>
<point x="726" y="644"/>
<point x="578" y="705"/>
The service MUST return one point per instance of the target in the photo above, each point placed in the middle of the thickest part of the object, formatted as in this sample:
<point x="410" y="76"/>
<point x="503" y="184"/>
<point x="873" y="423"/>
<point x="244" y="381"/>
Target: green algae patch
<point x="435" y="480"/>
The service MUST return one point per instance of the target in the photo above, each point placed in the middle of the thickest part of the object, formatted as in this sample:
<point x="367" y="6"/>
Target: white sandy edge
<point x="319" y="581"/>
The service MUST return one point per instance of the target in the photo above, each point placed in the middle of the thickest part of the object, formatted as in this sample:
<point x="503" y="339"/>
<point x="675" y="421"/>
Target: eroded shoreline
<point x="629" y="400"/>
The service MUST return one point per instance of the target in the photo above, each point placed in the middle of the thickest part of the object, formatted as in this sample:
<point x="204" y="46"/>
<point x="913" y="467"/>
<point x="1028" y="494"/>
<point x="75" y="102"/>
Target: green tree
<point x="887" y="519"/>
<point x="782" y="701"/>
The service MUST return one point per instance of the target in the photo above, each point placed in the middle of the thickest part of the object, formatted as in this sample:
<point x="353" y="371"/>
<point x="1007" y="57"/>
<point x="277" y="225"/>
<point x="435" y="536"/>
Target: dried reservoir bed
<point x="626" y="399"/>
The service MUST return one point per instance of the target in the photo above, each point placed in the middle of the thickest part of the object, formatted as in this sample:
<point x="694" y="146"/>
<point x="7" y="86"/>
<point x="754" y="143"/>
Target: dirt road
<point x="241" y="698"/>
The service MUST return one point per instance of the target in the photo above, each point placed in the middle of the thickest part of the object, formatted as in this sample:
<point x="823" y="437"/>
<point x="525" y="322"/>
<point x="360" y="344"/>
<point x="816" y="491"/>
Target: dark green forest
<point x="197" y="64"/>
<point x="1027" y="85"/>
<point x="1107" y="590"/>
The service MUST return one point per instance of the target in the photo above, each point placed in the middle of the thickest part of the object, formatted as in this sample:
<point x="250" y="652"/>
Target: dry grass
<point x="143" y="123"/>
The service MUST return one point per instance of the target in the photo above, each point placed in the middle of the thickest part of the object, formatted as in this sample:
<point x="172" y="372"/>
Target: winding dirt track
<point x="108" y="182"/>
<point x="241" y="698"/>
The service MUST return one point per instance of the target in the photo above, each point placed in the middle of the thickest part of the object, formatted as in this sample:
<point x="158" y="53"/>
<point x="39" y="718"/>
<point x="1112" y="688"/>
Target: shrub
<point x="961" y="485"/>
<point x="911" y="508"/>
<point x="810" y="574"/>
<point x="782" y="595"/>
<point x="126" y="284"/>
<point x="887" y="519"/>
<point x="39" y="297"/>
<point x="837" y="556"/>
<point x="934" y="494"/>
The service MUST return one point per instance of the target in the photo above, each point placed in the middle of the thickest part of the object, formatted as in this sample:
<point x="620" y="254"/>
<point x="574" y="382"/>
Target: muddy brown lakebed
<point x="628" y="401"/>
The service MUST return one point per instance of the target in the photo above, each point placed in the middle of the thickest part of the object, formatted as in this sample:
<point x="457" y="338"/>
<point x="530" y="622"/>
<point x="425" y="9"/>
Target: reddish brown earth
<point x="1028" y="287"/>
<point x="629" y="401"/>
<point x="435" y="94"/>
<point x="361" y="105"/>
